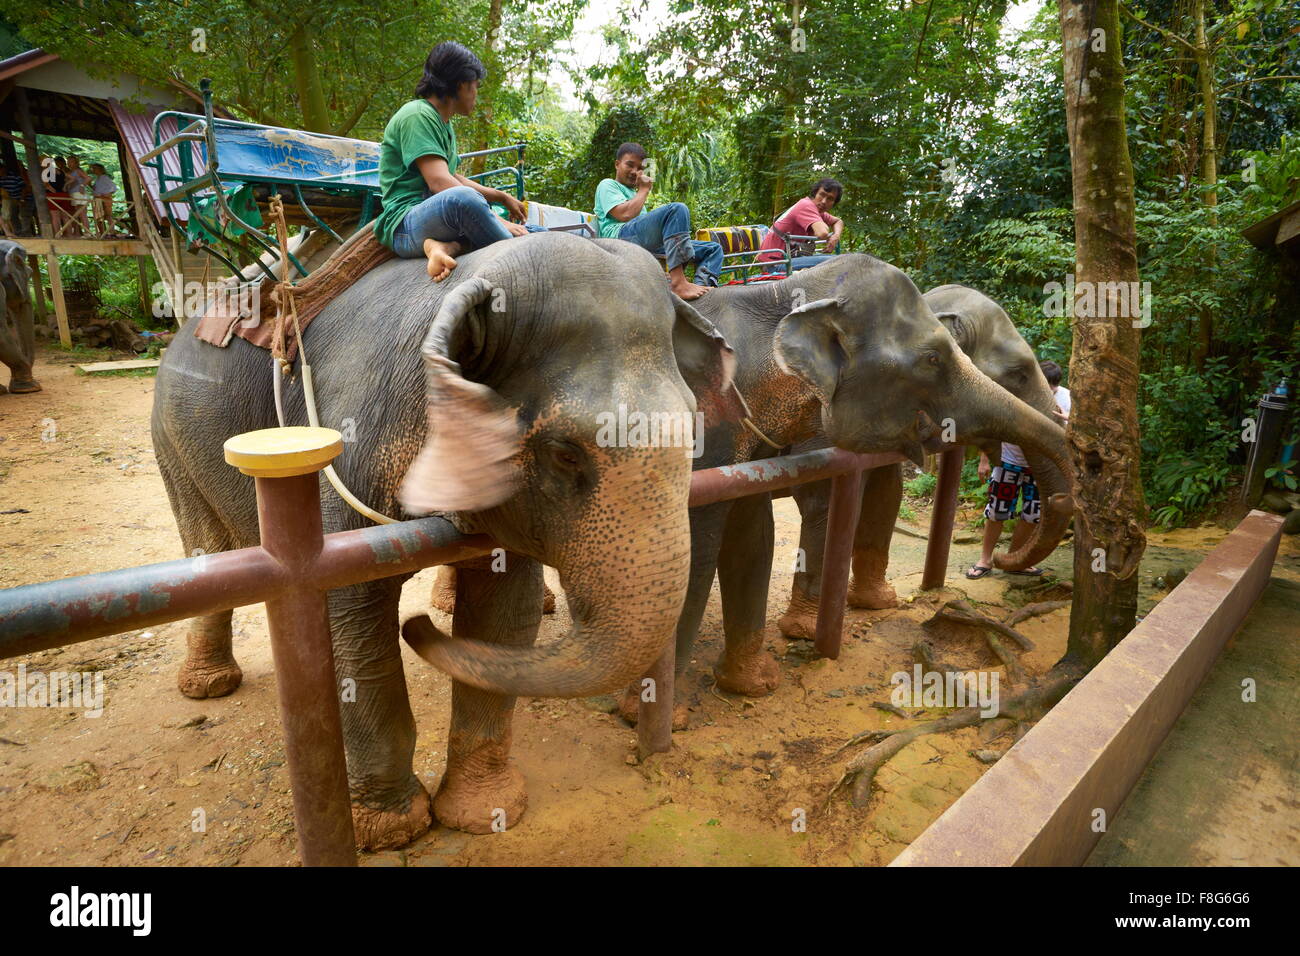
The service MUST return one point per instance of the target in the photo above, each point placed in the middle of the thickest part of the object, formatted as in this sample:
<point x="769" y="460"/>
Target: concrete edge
<point x="1038" y="804"/>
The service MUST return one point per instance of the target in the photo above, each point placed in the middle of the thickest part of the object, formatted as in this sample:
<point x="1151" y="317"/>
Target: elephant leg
<point x="882" y="494"/>
<point x="744" y="573"/>
<point x="800" y="619"/>
<point x="444" y="592"/>
<point x="390" y="807"/>
<point x="707" y="524"/>
<point x="481" y="787"/>
<point x="209" y="669"/>
<point x="443" y="597"/>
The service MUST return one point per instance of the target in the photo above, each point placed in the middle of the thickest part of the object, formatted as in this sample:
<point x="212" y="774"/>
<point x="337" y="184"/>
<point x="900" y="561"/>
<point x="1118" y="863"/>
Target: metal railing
<point x="296" y="564"/>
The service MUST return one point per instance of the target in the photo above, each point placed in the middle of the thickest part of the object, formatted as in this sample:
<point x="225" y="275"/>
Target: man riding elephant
<point x="480" y="398"/>
<point x="17" y="332"/>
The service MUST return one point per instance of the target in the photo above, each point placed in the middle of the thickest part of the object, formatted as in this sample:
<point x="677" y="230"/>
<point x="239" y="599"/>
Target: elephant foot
<point x="201" y="681"/>
<point x="629" y="708"/>
<point x="800" y="620"/>
<point x="481" y="792"/>
<point x="390" y="829"/>
<point x="748" y="669"/>
<point x="873" y="596"/>
<point x="24" y="387"/>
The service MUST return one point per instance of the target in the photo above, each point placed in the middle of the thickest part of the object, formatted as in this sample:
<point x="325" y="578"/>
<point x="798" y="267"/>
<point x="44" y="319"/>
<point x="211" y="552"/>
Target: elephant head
<point x="891" y="377"/>
<point x="17" y="335"/>
<point x="984" y="331"/>
<point x="564" y="418"/>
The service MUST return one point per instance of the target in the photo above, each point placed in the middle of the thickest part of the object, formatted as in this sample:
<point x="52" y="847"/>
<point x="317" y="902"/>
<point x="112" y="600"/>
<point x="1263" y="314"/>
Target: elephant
<point x="985" y="333"/>
<point x="850" y="351"/>
<point x="17" y="334"/>
<point x="479" y="398"/>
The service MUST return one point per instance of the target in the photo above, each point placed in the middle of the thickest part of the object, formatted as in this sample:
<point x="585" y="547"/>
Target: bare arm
<point x="629" y="209"/>
<point x="438" y="176"/>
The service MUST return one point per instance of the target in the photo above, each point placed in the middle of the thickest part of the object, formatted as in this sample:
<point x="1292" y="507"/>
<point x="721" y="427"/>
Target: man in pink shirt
<point x="810" y="216"/>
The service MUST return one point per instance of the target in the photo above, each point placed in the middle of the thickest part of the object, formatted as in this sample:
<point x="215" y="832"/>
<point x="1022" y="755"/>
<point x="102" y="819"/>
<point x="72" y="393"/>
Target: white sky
<point x="589" y="48"/>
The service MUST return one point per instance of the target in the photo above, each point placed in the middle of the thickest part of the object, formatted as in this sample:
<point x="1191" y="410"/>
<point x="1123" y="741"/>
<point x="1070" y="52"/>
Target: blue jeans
<point x="666" y="232"/>
<point x="459" y="214"/>
<point x="796" y="263"/>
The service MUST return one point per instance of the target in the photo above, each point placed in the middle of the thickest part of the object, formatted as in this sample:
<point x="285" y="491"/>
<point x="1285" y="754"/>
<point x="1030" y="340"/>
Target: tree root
<point x="963" y="613"/>
<point x="1025" y="707"/>
<point x="1015" y="673"/>
<point x="1034" y="610"/>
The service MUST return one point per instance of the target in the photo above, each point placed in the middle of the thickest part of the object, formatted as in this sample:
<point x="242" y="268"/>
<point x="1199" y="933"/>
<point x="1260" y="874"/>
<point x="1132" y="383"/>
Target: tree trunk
<point x="306" y="78"/>
<point x="1209" y="165"/>
<point x="1103" y="433"/>
<point x="483" y="127"/>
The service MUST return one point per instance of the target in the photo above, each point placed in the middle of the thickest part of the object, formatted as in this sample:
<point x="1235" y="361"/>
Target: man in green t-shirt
<point x="665" y="231"/>
<point x="428" y="208"/>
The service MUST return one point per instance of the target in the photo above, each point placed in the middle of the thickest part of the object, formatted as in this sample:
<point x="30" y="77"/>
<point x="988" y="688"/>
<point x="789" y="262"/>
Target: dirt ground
<point x="127" y="788"/>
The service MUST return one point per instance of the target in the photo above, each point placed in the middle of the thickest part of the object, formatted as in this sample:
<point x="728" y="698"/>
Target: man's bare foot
<point x="688" y="290"/>
<point x="442" y="258"/>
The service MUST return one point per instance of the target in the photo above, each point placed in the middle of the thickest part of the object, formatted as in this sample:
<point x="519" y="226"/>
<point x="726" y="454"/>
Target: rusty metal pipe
<point x="841" y="528"/>
<point x="34" y="617"/>
<point x="771" y="474"/>
<point x="941" y="518"/>
<point x="288" y="513"/>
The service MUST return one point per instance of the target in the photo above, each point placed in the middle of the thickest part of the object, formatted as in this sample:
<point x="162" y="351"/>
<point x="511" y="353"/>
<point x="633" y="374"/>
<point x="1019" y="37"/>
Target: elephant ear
<point x="808" y="345"/>
<point x="15" y="268"/>
<point x="707" y="364"/>
<point x="961" y="327"/>
<point x="465" y="464"/>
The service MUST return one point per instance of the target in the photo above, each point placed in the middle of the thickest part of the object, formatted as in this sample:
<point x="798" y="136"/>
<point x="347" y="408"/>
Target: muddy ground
<point x="126" y="788"/>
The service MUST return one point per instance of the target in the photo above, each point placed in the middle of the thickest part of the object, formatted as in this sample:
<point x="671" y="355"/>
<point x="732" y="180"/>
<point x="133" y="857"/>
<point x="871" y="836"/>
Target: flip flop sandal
<point x="978" y="571"/>
<point x="1028" y="572"/>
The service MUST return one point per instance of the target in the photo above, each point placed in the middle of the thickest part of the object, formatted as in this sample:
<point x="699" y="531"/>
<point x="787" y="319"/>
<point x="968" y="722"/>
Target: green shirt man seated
<point x="664" y="231"/>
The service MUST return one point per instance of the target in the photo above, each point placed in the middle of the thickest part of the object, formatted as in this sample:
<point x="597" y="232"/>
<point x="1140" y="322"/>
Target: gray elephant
<point x="985" y="333"/>
<point x="17" y="333"/>
<point x="849" y="351"/>
<point x="526" y="348"/>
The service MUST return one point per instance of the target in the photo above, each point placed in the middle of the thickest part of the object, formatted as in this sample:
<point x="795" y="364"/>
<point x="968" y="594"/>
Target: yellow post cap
<point x="283" y="452"/>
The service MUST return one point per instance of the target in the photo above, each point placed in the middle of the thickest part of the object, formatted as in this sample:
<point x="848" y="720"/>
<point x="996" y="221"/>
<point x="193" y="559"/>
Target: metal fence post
<point x="285" y="462"/>
<point x="841" y="528"/>
<point x="941" y="518"/>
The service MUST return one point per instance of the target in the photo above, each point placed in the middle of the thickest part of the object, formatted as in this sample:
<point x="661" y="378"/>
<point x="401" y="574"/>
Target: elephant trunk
<point x="624" y="570"/>
<point x="1004" y="417"/>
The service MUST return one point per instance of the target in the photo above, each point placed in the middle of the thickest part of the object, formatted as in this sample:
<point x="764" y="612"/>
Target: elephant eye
<point x="933" y="358"/>
<point x="564" y="454"/>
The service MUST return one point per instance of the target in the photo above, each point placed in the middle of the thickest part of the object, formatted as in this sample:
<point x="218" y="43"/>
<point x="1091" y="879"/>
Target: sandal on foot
<point x="978" y="571"/>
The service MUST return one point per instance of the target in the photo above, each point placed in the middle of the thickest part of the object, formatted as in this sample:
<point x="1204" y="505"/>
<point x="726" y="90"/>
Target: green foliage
<point x="922" y="486"/>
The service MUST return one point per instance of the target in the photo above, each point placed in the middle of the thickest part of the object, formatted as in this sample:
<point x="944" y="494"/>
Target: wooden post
<point x="43" y="214"/>
<point x="145" y="299"/>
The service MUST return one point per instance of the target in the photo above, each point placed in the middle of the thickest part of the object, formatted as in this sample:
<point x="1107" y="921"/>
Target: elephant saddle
<point x="250" y="310"/>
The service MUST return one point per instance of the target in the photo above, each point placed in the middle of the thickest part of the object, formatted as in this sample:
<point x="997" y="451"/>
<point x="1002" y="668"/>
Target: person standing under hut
<point x="810" y="216"/>
<point x="665" y="231"/>
<point x="429" y="209"/>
